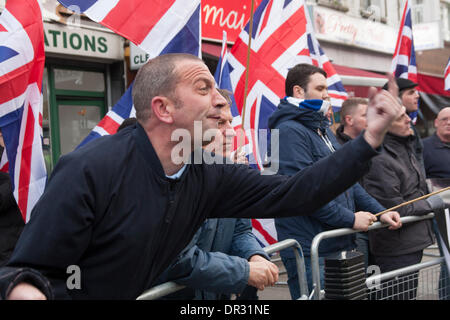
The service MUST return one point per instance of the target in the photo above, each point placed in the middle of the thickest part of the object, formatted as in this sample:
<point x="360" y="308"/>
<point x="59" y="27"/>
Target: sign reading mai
<point x="231" y="16"/>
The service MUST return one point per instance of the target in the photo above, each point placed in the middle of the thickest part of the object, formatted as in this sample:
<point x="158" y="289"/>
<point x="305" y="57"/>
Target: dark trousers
<point x="402" y="287"/>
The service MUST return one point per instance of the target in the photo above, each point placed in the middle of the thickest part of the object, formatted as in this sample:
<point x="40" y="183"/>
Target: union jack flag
<point x="404" y="60"/>
<point x="282" y="37"/>
<point x="156" y="26"/>
<point x="22" y="60"/>
<point x="447" y="76"/>
<point x="223" y="81"/>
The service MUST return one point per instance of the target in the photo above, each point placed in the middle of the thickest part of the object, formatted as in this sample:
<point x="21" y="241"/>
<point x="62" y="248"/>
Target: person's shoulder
<point x="101" y="151"/>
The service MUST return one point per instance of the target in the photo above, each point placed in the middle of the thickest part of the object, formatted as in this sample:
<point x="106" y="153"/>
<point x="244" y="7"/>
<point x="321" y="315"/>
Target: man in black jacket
<point x="120" y="209"/>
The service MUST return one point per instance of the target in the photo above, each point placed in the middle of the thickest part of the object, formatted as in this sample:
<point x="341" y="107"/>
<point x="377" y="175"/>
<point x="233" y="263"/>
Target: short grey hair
<point x="156" y="78"/>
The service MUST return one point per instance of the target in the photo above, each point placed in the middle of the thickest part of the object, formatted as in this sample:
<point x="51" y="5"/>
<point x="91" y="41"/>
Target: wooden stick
<point x="412" y="201"/>
<point x="247" y="67"/>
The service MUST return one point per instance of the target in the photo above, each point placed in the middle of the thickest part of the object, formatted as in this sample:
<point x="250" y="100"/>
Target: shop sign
<point x="82" y="42"/>
<point x="337" y="27"/>
<point x="219" y="15"/>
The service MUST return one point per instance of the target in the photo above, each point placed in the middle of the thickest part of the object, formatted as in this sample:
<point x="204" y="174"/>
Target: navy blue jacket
<point x="436" y="156"/>
<point x="214" y="264"/>
<point x="109" y="209"/>
<point x="301" y="147"/>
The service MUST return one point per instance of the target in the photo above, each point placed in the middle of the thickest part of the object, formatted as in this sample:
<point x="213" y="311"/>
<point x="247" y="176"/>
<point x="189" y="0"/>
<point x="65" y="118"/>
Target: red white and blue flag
<point x="447" y="76"/>
<point x="404" y="60"/>
<point x="282" y="37"/>
<point x="22" y="61"/>
<point x="156" y="26"/>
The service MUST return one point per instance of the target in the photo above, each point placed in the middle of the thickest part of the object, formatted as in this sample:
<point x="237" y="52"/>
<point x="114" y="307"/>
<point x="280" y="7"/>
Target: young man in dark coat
<point x="120" y="209"/>
<point x="305" y="139"/>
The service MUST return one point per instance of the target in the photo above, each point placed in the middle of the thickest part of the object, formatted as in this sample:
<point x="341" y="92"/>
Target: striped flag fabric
<point x="156" y="26"/>
<point x="404" y="60"/>
<point x="263" y="229"/>
<point x="113" y="119"/>
<point x="447" y="76"/>
<point x="22" y="61"/>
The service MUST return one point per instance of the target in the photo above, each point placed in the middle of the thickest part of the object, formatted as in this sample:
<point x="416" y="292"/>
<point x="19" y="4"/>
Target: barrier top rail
<point x="171" y="287"/>
<point x="342" y="232"/>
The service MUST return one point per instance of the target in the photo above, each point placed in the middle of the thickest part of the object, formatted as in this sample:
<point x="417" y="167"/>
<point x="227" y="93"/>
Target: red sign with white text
<point x="228" y="15"/>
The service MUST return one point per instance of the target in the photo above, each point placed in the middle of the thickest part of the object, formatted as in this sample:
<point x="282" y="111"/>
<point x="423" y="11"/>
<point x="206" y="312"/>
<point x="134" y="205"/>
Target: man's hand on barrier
<point x="384" y="107"/>
<point x="26" y="291"/>
<point x="363" y="220"/>
<point x="392" y="218"/>
<point x="263" y="273"/>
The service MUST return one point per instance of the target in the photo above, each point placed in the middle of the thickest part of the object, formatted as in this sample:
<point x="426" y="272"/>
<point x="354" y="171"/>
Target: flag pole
<point x="250" y="32"/>
<point x="412" y="201"/>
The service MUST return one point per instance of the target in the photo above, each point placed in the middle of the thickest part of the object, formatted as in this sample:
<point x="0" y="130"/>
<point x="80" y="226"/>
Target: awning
<point x="358" y="77"/>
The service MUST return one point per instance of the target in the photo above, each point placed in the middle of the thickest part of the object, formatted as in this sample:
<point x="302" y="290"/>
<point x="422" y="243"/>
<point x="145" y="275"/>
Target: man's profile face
<point x="223" y="142"/>
<point x="401" y="126"/>
<point x="317" y="88"/>
<point x="198" y="98"/>
<point x="410" y="99"/>
<point x="360" y="118"/>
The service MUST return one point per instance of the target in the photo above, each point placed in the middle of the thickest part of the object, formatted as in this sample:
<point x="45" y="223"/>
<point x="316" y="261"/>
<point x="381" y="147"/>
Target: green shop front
<point x="83" y="79"/>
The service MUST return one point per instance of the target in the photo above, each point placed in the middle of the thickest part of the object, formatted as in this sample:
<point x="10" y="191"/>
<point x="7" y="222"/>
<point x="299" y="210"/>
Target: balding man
<point x="436" y="151"/>
<point x="116" y="212"/>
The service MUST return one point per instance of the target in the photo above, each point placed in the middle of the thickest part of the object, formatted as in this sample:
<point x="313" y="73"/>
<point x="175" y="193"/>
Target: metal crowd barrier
<point x="318" y="293"/>
<point x="171" y="287"/>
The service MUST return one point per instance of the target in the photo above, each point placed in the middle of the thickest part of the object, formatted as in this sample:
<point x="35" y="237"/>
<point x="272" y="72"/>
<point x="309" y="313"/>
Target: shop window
<point x="79" y="80"/>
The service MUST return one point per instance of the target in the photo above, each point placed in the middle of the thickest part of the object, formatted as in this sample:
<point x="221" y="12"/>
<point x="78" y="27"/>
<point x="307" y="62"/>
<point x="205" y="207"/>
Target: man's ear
<point x="298" y="92"/>
<point x="349" y="120"/>
<point x="162" y="109"/>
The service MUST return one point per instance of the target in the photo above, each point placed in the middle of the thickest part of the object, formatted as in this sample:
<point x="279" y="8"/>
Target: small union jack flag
<point x="404" y="60"/>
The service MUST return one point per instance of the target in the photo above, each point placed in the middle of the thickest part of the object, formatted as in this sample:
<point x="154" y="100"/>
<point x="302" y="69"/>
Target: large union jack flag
<point x="404" y="60"/>
<point x="282" y="36"/>
<point x="156" y="26"/>
<point x="22" y="60"/>
<point x="447" y="76"/>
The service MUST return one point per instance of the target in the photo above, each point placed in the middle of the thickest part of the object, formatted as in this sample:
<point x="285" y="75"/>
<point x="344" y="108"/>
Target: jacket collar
<point x="145" y="147"/>
<point x="393" y="144"/>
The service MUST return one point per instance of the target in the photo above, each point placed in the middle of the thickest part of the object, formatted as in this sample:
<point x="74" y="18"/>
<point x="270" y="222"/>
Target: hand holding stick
<point x="412" y="201"/>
